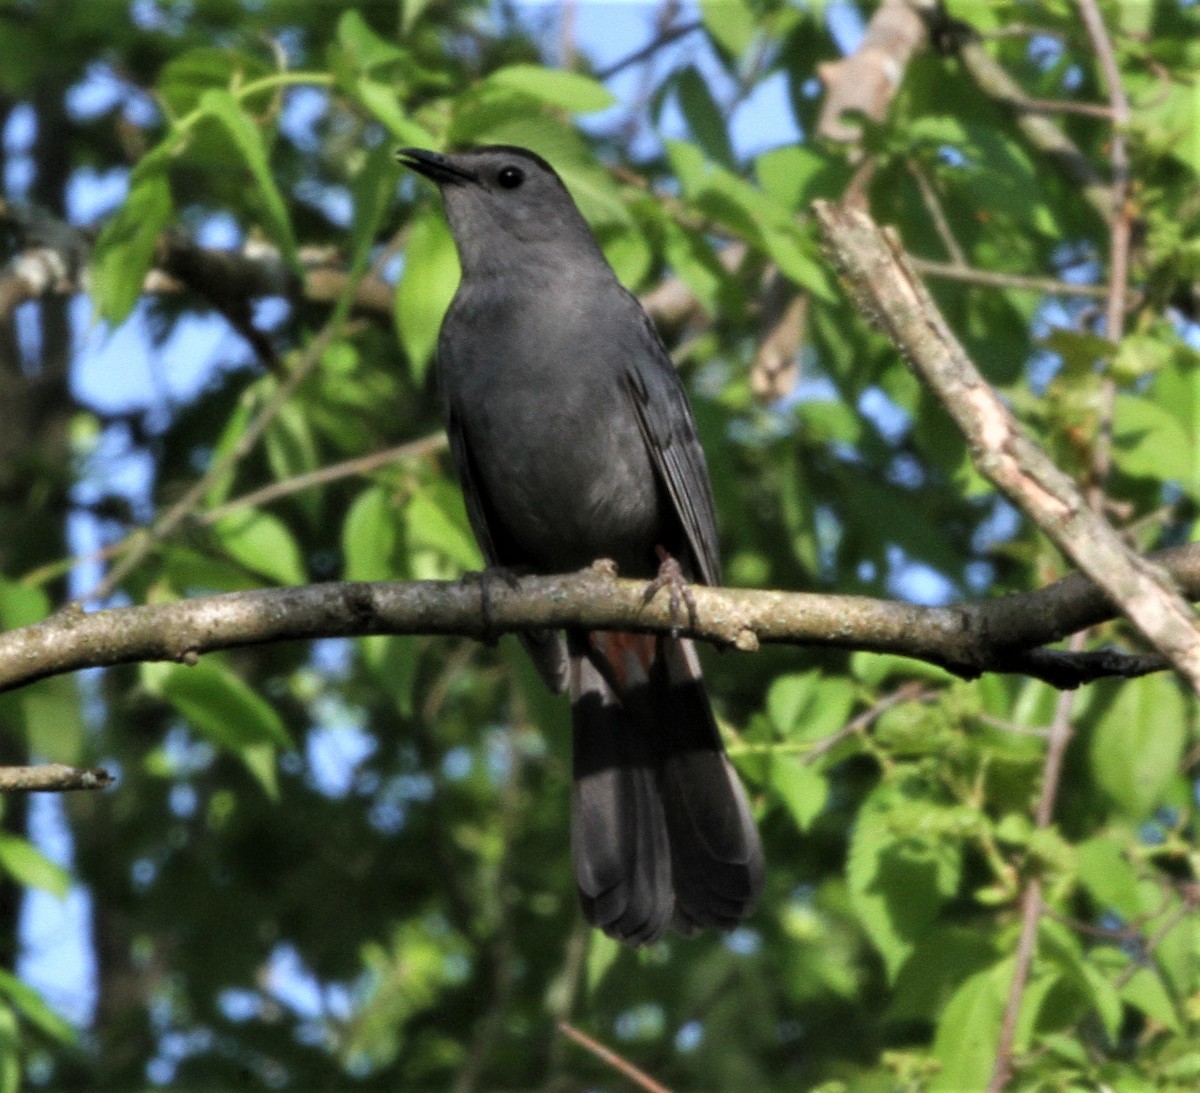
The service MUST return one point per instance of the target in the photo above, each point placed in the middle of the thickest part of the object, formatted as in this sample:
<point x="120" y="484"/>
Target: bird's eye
<point x="510" y="177"/>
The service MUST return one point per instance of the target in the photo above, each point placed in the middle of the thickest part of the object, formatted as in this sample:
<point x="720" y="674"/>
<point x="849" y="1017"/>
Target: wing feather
<point x="669" y="430"/>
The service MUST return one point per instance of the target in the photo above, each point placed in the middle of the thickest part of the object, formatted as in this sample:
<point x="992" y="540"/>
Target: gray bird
<point x="574" y="440"/>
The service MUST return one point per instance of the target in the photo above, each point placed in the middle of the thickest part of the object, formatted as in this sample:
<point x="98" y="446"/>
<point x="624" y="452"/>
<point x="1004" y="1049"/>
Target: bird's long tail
<point x="661" y="830"/>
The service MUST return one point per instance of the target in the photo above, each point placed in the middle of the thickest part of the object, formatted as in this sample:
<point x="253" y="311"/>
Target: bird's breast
<point x="543" y="407"/>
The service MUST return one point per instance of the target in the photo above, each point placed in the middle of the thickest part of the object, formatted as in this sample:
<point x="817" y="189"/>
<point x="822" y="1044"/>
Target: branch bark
<point x="51" y="778"/>
<point x="888" y="290"/>
<point x="1000" y="635"/>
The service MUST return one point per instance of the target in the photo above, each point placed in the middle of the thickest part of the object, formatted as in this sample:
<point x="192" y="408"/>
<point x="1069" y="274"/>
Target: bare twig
<point x="166" y="524"/>
<point x="1031" y="913"/>
<point x="1032" y="903"/>
<point x="866" y="81"/>
<point x="951" y="271"/>
<point x="347" y="468"/>
<point x="1119" y="221"/>
<point x="933" y="205"/>
<point x="610" y="1058"/>
<point x="664" y="38"/>
<point x="912" y="691"/>
<point x="322" y="476"/>
<point x="51" y="778"/>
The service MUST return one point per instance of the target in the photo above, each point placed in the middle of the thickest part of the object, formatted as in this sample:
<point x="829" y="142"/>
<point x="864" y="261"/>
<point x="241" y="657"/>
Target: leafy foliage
<point x="346" y="865"/>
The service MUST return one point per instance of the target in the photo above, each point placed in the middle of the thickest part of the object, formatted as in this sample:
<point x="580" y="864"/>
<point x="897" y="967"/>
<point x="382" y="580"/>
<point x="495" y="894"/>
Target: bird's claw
<point x="482" y="577"/>
<point x="670" y="575"/>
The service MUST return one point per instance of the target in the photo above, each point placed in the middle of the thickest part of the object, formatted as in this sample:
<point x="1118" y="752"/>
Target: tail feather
<point x="661" y="828"/>
<point x="618" y="832"/>
<point x="717" y="860"/>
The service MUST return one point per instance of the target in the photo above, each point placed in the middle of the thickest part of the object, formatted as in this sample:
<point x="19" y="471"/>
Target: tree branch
<point x="888" y="290"/>
<point x="865" y="81"/>
<point x="51" y="778"/>
<point x="999" y="635"/>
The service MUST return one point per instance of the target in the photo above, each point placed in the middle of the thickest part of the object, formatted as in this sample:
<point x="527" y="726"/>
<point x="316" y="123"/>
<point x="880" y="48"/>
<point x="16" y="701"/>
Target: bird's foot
<point x="670" y="575"/>
<point x="482" y="577"/>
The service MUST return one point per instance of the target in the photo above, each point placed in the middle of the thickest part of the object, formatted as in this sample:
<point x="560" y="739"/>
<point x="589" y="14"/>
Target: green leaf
<point x="436" y="521"/>
<point x="35" y="1010"/>
<point x="223" y="708"/>
<point x="789" y="696"/>
<point x="809" y="706"/>
<point x="703" y="116"/>
<point x="803" y="789"/>
<point x="10" y="1052"/>
<point x="426" y="287"/>
<point x="230" y="436"/>
<point x="184" y="79"/>
<point x="261" y="543"/>
<point x="629" y="254"/>
<point x="369" y="537"/>
<point x="247" y="138"/>
<point x="875" y="669"/>
<point x="1106" y="873"/>
<point x="798" y="258"/>
<point x="1138" y="743"/>
<point x="901" y="869"/>
<point x="381" y="100"/>
<point x="569" y="90"/>
<point x="21" y="605"/>
<point x="1080" y="350"/>
<point x="291" y="448"/>
<point x="411" y="11"/>
<point x="796" y="174"/>
<point x="52" y="713"/>
<point x="1150" y="441"/>
<point x="30" y="867"/>
<point x="691" y="257"/>
<point x="602" y="954"/>
<point x="731" y="24"/>
<point x="374" y="190"/>
<point x="940" y="964"/>
<point x="1145" y="991"/>
<point x="363" y="46"/>
<point x="965" y="1041"/>
<point x="128" y="242"/>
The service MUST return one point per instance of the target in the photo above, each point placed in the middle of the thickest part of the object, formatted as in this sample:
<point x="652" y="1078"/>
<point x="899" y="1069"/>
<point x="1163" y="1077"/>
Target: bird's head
<point x="505" y="205"/>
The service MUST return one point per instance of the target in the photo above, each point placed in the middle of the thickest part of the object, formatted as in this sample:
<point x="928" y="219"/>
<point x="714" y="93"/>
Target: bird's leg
<point x="670" y="575"/>
<point x="482" y="577"/>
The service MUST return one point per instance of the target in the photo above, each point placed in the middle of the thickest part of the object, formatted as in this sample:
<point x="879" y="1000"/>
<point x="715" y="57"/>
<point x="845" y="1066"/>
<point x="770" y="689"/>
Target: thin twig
<point x="140" y="546"/>
<point x="1120" y="226"/>
<point x="911" y="691"/>
<point x="933" y="206"/>
<point x="1189" y="901"/>
<point x="1031" y="912"/>
<point x="1066" y="106"/>
<point x="610" y="1058"/>
<point x="990" y="278"/>
<point x="1031" y="899"/>
<point x="51" y="778"/>
<point x="662" y="39"/>
<point x="347" y="468"/>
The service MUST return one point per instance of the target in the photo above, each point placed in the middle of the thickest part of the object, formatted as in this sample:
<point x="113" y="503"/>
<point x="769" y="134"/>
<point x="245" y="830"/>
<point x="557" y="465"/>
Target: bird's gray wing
<point x="667" y="425"/>
<point x="547" y="648"/>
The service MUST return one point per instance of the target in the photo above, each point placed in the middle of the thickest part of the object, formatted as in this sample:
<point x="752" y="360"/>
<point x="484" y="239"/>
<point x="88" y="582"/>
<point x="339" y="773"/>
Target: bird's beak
<point x="434" y="166"/>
